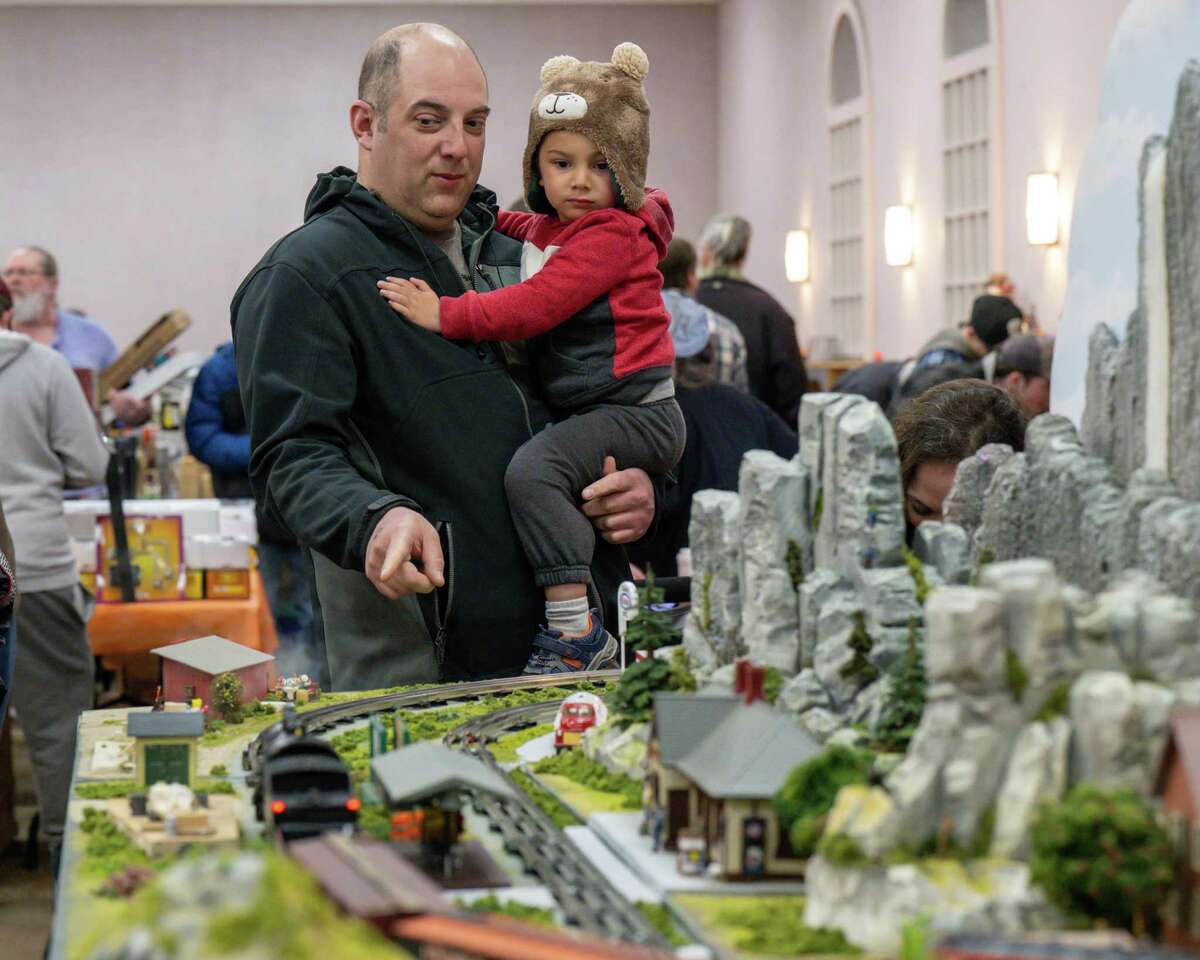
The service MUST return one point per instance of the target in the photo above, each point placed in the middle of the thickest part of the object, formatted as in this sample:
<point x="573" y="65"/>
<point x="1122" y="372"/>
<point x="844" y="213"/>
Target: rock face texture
<point x="1037" y="771"/>
<point x="868" y="512"/>
<point x="964" y="503"/>
<point x="1183" y="281"/>
<point x="712" y="634"/>
<point x="1119" y="728"/>
<point x="775" y="546"/>
<point x="870" y="905"/>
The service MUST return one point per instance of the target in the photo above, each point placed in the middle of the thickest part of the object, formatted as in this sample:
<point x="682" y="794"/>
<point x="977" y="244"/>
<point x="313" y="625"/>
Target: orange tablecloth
<point x="117" y="629"/>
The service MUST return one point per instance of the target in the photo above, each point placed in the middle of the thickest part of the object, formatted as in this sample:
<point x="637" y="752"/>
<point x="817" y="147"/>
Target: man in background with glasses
<point x="32" y="275"/>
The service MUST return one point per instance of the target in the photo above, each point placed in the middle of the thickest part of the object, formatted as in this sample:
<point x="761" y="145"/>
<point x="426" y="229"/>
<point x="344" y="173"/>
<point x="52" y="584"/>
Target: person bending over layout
<point x="944" y="425"/>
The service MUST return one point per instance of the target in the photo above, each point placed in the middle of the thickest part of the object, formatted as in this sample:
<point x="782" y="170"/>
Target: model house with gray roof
<point x="715" y="762"/>
<point x="165" y="744"/>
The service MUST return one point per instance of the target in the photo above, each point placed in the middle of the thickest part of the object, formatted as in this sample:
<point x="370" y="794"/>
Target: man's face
<point x="927" y="491"/>
<point x="426" y="162"/>
<point x="25" y="275"/>
<point x="1032" y="392"/>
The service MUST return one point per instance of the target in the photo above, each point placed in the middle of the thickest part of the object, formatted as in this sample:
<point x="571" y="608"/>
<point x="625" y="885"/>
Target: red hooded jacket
<point x="590" y="303"/>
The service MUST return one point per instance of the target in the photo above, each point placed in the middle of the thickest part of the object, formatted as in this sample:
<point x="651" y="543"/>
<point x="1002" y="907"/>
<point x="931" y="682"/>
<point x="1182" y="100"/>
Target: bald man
<point x="381" y="446"/>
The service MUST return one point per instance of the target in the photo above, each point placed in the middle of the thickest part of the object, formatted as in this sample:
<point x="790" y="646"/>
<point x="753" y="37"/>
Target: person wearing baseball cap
<point x="993" y="318"/>
<point x="1023" y="369"/>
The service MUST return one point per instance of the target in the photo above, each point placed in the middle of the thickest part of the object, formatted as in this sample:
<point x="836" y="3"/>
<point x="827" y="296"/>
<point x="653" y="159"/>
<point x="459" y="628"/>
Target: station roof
<point x="422" y="770"/>
<point x="728" y="748"/>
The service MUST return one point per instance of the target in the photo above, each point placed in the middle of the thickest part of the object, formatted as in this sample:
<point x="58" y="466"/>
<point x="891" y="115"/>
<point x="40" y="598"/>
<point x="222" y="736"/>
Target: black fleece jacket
<point x="354" y="410"/>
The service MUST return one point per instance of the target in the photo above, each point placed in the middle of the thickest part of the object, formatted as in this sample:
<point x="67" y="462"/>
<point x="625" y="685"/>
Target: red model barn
<point x="188" y="668"/>
<point x="1178" y="787"/>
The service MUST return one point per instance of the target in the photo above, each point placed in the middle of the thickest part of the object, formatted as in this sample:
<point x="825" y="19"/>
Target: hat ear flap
<point x="555" y="66"/>
<point x="631" y="59"/>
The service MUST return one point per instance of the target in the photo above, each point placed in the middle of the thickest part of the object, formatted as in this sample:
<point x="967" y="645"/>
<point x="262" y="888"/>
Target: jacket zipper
<point x="520" y="394"/>
<point x="440" y="621"/>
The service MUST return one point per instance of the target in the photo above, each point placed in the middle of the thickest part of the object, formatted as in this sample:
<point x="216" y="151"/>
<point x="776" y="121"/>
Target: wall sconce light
<point x="898" y="236"/>
<point x="795" y="256"/>
<point x="1041" y="209"/>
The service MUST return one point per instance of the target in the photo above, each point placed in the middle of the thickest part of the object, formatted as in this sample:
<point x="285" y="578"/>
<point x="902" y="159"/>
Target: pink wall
<point x="177" y="676"/>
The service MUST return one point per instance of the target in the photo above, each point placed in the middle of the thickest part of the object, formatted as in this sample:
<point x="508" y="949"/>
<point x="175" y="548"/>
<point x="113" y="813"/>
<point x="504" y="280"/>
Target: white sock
<point x="570" y="617"/>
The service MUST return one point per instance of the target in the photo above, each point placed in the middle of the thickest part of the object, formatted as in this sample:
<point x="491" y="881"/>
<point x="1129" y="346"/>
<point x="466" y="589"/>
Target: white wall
<point x="159" y="151"/>
<point x="773" y="166"/>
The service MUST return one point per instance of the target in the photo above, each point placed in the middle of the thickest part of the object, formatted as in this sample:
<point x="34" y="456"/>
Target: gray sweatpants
<point x="52" y="685"/>
<point x="546" y="477"/>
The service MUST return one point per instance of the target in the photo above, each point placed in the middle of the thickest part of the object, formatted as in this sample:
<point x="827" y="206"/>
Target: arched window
<point x="967" y="154"/>
<point x="847" y="317"/>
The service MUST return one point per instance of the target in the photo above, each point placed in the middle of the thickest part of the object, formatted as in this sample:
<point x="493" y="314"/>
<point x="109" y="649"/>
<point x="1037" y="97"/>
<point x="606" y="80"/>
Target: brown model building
<point x="1178" y="788"/>
<point x="715" y="762"/>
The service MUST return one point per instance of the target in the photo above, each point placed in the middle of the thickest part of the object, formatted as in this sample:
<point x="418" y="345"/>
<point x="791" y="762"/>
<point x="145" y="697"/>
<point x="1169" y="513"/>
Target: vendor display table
<point x="121" y="629"/>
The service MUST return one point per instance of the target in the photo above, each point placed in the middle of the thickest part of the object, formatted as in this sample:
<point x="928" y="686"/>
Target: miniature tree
<point x="651" y="628"/>
<point x="227" y="691"/>
<point x="633" y="700"/>
<point x="1101" y="853"/>
<point x="905" y="700"/>
<point x="859" y="668"/>
<point x="808" y="793"/>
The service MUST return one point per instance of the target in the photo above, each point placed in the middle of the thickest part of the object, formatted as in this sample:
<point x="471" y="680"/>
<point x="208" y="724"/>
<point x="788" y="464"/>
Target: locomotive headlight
<point x="278" y="806"/>
<point x="353" y="804"/>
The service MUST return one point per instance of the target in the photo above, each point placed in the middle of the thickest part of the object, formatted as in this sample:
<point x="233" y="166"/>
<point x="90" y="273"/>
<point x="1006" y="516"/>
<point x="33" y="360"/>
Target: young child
<point x="590" y="303"/>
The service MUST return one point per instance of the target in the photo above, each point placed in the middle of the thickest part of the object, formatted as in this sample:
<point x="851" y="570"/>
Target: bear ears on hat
<point x="629" y="58"/>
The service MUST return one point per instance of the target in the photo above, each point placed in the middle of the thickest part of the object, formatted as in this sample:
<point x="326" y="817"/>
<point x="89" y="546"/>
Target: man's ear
<point x="362" y="123"/>
<point x="1013" y="380"/>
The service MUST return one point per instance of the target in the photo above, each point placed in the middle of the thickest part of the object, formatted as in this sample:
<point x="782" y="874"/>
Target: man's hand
<point x="621" y="503"/>
<point x="401" y="540"/>
<point x="131" y="411"/>
<point x="413" y="299"/>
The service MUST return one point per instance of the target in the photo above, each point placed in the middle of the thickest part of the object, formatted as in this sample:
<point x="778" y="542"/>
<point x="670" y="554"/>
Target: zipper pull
<point x="439" y="646"/>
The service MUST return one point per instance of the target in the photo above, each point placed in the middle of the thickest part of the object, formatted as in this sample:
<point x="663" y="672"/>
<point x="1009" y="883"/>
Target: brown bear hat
<point x="606" y="102"/>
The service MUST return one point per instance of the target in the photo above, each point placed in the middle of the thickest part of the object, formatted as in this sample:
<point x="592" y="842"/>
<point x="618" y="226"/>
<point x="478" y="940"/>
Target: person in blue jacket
<point x="218" y="436"/>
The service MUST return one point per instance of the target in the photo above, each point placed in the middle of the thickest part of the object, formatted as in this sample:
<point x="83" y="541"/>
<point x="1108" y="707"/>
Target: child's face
<point x="574" y="175"/>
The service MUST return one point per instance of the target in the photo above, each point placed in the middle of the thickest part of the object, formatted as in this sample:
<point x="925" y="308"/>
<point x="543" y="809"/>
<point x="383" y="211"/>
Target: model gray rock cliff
<point x="713" y="628"/>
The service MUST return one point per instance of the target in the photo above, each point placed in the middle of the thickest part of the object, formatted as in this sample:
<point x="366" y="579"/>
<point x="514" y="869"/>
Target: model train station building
<point x="188" y="668"/>
<point x="716" y="760"/>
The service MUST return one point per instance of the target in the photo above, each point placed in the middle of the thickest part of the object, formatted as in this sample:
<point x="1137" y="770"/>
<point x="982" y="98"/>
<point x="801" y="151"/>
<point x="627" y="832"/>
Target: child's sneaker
<point x="554" y="653"/>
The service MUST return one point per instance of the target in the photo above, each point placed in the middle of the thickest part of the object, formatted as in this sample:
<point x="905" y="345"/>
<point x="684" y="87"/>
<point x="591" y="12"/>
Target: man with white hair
<point x="32" y="275"/>
<point x="773" y="361"/>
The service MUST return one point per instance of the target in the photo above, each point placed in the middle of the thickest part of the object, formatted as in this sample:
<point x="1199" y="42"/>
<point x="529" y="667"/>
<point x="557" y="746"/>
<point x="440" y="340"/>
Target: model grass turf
<point x="573" y="765"/>
<point x="493" y="905"/>
<point x="1102" y="854"/>
<point x="660" y="918"/>
<point x="292" y="918"/>
<point x="505" y="748"/>
<point x="546" y="801"/>
<point x="763" y="926"/>
<point x="111" y="789"/>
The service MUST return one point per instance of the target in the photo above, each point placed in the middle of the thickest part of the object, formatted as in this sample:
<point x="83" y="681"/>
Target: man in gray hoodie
<point x="50" y="442"/>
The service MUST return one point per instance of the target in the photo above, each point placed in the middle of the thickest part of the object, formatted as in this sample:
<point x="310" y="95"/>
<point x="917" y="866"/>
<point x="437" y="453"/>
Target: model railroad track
<point x="325" y="718"/>
<point x="586" y="897"/>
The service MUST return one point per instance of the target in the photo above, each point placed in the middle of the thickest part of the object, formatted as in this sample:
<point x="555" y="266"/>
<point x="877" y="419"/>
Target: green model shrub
<point x="573" y="765"/>
<point x="808" y="793"/>
<point x="650" y="628"/>
<point x="227" y="691"/>
<point x="1103" y="854"/>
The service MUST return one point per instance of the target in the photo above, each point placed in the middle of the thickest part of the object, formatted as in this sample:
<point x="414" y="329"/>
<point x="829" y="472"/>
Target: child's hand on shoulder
<point x="413" y="299"/>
